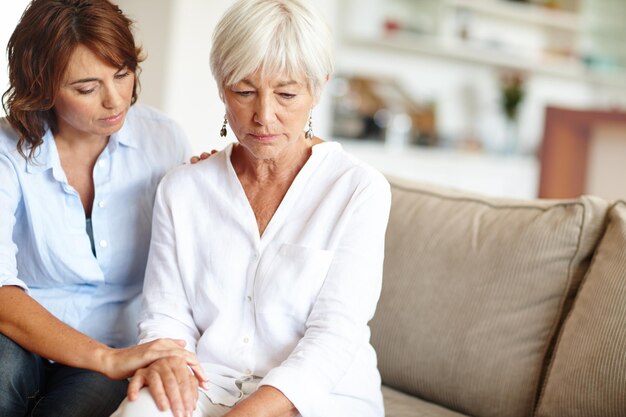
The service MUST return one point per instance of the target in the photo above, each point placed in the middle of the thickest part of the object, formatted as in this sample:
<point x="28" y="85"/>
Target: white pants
<point x="144" y="406"/>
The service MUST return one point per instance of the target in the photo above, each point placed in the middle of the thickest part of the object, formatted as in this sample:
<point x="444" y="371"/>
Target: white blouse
<point x="287" y="309"/>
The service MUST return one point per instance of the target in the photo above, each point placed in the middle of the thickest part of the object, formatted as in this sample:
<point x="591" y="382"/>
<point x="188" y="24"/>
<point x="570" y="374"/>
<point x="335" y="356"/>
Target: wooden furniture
<point x="570" y="155"/>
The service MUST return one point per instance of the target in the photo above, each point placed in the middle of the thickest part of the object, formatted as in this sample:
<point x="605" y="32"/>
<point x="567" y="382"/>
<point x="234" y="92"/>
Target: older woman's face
<point x="268" y="115"/>
<point x="94" y="97"/>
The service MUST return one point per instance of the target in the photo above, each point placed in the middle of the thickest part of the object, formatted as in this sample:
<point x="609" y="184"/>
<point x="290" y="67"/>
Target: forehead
<point x="262" y="78"/>
<point x="84" y="62"/>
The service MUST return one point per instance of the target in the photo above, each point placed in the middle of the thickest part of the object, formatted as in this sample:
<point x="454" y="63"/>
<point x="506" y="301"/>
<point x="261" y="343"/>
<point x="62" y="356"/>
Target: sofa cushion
<point x="474" y="290"/>
<point x="588" y="374"/>
<point x="398" y="404"/>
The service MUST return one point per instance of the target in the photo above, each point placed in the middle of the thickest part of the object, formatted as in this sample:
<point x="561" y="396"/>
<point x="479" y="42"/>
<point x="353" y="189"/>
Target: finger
<point x="204" y="155"/>
<point x="180" y="342"/>
<point x="161" y="348"/>
<point x="187" y="386"/>
<point x="199" y="375"/>
<point x="191" y="395"/>
<point x="194" y="159"/>
<point x="213" y="152"/>
<point x="196" y="368"/>
<point x="173" y="392"/>
<point x="136" y="383"/>
<point x="158" y="392"/>
<point x="166" y="343"/>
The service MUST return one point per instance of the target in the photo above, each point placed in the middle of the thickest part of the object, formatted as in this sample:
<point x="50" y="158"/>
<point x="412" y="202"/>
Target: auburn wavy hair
<point x="39" y="51"/>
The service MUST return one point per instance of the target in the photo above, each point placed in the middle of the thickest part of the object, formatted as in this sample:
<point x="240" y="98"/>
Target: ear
<point x="316" y="99"/>
<point x="220" y="90"/>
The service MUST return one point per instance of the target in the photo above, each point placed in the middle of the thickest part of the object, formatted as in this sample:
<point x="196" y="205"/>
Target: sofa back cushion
<point x="588" y="374"/>
<point x="474" y="290"/>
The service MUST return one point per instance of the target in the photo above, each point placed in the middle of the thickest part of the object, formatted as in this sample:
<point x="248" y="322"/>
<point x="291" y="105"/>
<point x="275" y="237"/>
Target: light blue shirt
<point x="44" y="245"/>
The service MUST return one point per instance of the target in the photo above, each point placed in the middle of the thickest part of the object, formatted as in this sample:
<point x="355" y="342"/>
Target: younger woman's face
<point x="93" y="98"/>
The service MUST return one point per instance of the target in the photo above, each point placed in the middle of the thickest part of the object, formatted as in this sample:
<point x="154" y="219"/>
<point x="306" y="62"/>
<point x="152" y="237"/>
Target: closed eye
<point x="287" y="96"/>
<point x="245" y="93"/>
<point x="121" y="75"/>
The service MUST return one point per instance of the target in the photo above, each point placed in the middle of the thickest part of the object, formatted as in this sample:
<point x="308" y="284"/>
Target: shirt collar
<point x="125" y="135"/>
<point x="46" y="156"/>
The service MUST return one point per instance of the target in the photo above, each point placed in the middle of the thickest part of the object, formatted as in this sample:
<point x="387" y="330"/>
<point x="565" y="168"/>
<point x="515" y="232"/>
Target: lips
<point x="264" y="137"/>
<point x="113" y="118"/>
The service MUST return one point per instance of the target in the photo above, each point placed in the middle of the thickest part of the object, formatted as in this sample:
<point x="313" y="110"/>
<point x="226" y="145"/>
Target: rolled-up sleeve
<point x="10" y="196"/>
<point x="166" y="311"/>
<point x="337" y="326"/>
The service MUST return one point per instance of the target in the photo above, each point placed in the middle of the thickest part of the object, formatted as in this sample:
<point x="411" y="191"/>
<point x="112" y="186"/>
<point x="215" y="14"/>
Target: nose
<point x="265" y="111"/>
<point x="112" y="97"/>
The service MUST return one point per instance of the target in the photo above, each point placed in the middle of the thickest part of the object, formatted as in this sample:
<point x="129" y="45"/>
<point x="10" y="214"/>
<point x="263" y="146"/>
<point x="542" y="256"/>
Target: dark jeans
<point x="32" y="386"/>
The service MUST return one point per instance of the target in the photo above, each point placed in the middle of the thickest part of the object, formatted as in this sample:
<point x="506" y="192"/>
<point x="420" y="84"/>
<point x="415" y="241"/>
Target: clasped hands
<point x="173" y="383"/>
<point x="171" y="373"/>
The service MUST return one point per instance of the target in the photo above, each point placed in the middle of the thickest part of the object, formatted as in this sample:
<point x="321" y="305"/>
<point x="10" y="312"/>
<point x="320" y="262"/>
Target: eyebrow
<point x="91" y="79"/>
<point x="286" y="83"/>
<point x="281" y="84"/>
<point x="84" y="80"/>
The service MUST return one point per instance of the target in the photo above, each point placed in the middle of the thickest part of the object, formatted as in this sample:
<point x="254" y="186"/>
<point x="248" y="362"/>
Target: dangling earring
<point x="223" y="131"/>
<point x="309" y="132"/>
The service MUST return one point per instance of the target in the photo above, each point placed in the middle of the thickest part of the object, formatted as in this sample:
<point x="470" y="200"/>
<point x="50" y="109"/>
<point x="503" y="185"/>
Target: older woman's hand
<point x="171" y="383"/>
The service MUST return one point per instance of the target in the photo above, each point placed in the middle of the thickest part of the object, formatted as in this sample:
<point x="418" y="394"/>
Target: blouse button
<point x="246" y="340"/>
<point x="101" y="204"/>
<point x="101" y="164"/>
<point x="104" y="243"/>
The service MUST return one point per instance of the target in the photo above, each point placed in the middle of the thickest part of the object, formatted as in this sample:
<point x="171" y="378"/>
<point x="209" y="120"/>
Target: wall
<point x="10" y="12"/>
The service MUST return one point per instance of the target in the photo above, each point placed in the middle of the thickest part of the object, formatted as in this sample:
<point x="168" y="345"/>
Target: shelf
<point x="468" y="52"/>
<point x="501" y="176"/>
<point x="522" y="12"/>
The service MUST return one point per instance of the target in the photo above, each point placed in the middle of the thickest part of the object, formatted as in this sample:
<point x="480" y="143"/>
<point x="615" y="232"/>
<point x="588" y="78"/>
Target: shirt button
<point x="249" y="298"/>
<point x="101" y="164"/>
<point x="248" y="372"/>
<point x="246" y="340"/>
<point x="104" y="243"/>
<point x="101" y="204"/>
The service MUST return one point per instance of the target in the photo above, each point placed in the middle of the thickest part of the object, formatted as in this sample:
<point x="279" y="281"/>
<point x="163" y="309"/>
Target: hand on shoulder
<point x="204" y="155"/>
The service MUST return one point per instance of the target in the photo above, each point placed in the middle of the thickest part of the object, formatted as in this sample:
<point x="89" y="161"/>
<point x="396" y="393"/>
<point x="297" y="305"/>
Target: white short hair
<point x="286" y="37"/>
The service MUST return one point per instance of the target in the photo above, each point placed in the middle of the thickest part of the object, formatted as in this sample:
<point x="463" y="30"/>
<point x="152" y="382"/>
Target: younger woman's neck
<point x="85" y="145"/>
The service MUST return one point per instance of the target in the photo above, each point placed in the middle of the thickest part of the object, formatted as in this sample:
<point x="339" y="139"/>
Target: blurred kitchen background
<point x="502" y="97"/>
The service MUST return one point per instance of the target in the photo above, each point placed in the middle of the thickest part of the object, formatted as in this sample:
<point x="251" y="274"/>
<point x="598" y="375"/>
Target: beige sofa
<point x="502" y="308"/>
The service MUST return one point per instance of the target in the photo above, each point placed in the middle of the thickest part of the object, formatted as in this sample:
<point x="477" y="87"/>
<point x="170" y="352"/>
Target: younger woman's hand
<point x="204" y="155"/>
<point x="122" y="363"/>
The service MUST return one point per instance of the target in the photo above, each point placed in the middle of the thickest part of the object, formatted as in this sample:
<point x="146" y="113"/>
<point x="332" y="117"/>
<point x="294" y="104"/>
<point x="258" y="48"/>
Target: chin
<point x="261" y="151"/>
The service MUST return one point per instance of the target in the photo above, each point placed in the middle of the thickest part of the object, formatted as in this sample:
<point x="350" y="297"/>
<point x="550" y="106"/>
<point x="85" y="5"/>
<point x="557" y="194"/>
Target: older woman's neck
<point x="280" y="167"/>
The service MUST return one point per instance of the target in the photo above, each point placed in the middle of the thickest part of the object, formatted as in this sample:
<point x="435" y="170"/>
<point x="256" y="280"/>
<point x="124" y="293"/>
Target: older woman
<point x="267" y="257"/>
<point x="78" y="173"/>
